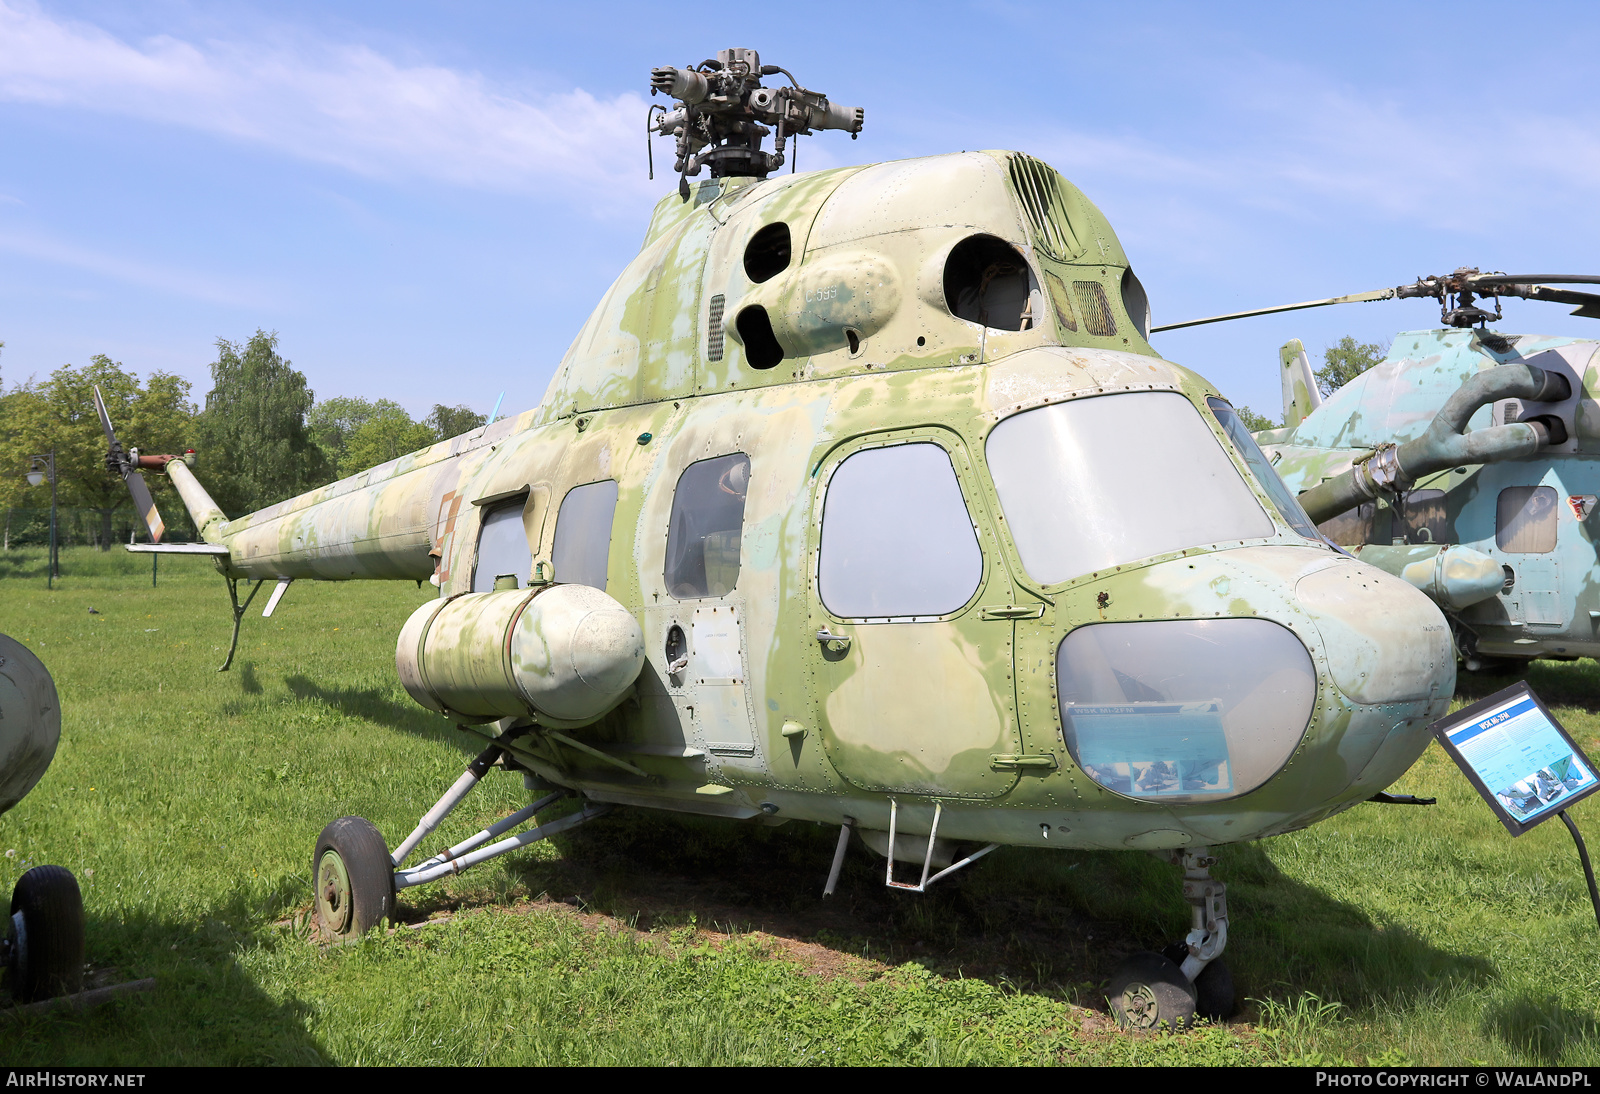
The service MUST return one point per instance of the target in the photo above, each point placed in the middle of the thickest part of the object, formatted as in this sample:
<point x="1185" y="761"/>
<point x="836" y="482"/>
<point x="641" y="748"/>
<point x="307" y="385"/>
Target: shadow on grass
<point x="205" y="1009"/>
<point x="1541" y="1028"/>
<point x="378" y="705"/>
<point x="1054" y="922"/>
<point x="1559" y="683"/>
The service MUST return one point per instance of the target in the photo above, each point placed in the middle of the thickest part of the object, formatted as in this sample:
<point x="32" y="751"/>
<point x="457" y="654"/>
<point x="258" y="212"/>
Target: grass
<point x="187" y="803"/>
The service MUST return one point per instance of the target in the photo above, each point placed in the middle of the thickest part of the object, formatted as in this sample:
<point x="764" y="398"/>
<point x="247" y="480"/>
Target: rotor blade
<point x="145" y="504"/>
<point x="105" y="419"/>
<point x="1587" y="302"/>
<point x="1535" y="279"/>
<point x="133" y="480"/>
<point x="1354" y="298"/>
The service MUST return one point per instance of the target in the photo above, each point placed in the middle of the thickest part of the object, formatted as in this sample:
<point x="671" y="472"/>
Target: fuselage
<point x="907" y="509"/>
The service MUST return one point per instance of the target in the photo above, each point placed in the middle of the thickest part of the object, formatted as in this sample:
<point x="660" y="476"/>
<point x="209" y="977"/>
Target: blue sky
<point x="426" y="200"/>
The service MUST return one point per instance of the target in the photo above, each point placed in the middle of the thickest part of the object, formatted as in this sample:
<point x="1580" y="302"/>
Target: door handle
<point x="1013" y="611"/>
<point x="833" y="643"/>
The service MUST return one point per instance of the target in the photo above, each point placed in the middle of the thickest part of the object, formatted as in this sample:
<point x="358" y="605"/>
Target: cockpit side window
<point x="583" y="534"/>
<point x="987" y="281"/>
<point x="706" y="527"/>
<point x="897" y="540"/>
<point x="503" y="549"/>
<point x="1256" y="460"/>
<point x="1094" y="483"/>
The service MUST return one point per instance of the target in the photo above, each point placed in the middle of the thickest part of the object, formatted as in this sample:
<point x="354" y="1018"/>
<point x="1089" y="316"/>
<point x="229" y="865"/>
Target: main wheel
<point x="1150" y="992"/>
<point x="46" y="935"/>
<point x="353" y="877"/>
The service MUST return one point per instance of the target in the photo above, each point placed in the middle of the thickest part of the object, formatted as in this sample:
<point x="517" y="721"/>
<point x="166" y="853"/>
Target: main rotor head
<point x="723" y="113"/>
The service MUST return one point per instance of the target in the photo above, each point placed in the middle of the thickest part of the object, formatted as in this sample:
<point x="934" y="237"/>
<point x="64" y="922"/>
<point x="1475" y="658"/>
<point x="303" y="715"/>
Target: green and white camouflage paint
<point x="754" y="700"/>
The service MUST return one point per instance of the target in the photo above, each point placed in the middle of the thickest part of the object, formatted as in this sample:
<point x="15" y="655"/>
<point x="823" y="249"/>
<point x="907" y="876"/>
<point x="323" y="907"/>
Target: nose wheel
<point x="43" y="948"/>
<point x="1188" y="978"/>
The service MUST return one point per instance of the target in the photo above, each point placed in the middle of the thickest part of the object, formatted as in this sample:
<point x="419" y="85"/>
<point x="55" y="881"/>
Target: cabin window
<point x="1525" y="520"/>
<point x="1424" y="519"/>
<point x="897" y="539"/>
<point x="503" y="550"/>
<point x="1093" y="483"/>
<point x="767" y="254"/>
<point x="1096" y="309"/>
<point x="1183" y="709"/>
<point x="705" y="528"/>
<point x="1353" y="527"/>
<point x="1260" y="467"/>
<point x="583" y="534"/>
<point x="986" y="281"/>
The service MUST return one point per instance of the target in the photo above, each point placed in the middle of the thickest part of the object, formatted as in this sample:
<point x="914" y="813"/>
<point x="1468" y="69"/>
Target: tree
<point x="58" y="415"/>
<point x="332" y="422"/>
<point x="451" y="421"/>
<point x="1254" y="422"/>
<point x="1345" y="361"/>
<point x="388" y="433"/>
<point x="254" y="427"/>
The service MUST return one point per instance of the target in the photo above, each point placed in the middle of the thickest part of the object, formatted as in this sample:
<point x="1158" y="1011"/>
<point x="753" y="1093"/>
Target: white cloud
<point x="338" y="104"/>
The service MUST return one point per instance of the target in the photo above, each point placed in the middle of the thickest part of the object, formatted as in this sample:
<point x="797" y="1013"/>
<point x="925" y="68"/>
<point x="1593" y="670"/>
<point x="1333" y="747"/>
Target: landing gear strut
<point x="1188" y="978"/>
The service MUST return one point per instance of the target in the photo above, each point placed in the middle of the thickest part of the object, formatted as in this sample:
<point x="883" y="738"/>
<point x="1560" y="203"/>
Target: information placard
<point x="1526" y="766"/>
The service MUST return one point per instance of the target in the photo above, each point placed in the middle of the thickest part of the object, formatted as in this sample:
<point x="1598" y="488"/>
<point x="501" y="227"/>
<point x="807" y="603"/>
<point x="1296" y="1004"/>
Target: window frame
<point x="973" y="496"/>
<point x="611" y="529"/>
<point x="672" y="510"/>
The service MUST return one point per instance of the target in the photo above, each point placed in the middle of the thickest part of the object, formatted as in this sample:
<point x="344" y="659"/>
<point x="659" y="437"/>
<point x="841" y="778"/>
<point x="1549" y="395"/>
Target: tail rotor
<point x="126" y="466"/>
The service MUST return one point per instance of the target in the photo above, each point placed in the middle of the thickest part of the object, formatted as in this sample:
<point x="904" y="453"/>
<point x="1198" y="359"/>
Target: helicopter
<point x="42" y="946"/>
<point x="862" y="499"/>
<point x="1464" y="462"/>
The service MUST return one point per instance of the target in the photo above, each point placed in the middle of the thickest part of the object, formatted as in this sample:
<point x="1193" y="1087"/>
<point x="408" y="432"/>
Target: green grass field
<point x="187" y="803"/>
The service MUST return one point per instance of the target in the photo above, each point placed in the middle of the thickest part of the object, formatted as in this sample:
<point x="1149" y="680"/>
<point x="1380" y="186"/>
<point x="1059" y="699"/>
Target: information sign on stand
<point x="1523" y="762"/>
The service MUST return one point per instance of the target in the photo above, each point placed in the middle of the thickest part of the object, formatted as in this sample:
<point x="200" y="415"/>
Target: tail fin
<point x="1300" y="394"/>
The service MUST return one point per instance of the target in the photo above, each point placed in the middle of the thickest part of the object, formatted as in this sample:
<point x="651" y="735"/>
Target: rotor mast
<point x="723" y="113"/>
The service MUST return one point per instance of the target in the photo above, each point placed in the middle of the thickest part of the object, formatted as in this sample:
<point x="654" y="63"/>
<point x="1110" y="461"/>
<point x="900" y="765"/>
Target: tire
<point x="1149" y="992"/>
<point x="1214" y="995"/>
<point x="47" y="931"/>
<point x="352" y="878"/>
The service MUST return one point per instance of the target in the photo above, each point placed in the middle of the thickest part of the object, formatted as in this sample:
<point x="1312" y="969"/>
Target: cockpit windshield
<point x="1256" y="460"/>
<point x="1094" y="483"/>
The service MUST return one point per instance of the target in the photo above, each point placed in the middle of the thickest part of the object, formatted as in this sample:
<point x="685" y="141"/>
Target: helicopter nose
<point x="1385" y="642"/>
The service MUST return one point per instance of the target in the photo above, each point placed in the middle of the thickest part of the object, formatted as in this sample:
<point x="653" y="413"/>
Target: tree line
<point x="261" y="436"/>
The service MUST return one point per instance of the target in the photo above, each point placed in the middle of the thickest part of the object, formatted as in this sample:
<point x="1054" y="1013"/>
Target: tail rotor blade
<point x="119" y="463"/>
<point x="145" y="504"/>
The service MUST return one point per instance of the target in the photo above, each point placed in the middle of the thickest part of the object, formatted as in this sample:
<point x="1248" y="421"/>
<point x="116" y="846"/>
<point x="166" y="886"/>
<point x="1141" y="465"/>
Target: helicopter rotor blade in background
<point x="118" y="462"/>
<point x="1353" y="298"/>
<point x="1535" y="279"/>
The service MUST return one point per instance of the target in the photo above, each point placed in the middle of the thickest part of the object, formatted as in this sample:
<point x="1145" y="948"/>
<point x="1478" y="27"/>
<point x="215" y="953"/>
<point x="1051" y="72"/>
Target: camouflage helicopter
<point x="43" y="941"/>
<point x="862" y="499"/>
<point x="1464" y="462"/>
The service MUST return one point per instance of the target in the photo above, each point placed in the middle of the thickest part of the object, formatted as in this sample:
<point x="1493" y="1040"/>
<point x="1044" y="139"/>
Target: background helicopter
<point x="839" y="509"/>
<point x="1466" y="462"/>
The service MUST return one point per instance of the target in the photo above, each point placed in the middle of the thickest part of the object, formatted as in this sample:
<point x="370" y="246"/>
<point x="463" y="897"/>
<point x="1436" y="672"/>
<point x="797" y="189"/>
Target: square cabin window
<point x="1525" y="520"/>
<point x="502" y="547"/>
<point x="707" y="522"/>
<point x="897" y="540"/>
<point x="583" y="534"/>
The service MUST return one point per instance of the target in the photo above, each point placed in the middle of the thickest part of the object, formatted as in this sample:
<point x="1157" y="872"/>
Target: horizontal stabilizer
<point x="178" y="549"/>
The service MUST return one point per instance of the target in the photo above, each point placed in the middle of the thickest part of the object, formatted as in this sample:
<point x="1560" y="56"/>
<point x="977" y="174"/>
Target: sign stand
<point x="1523" y="763"/>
